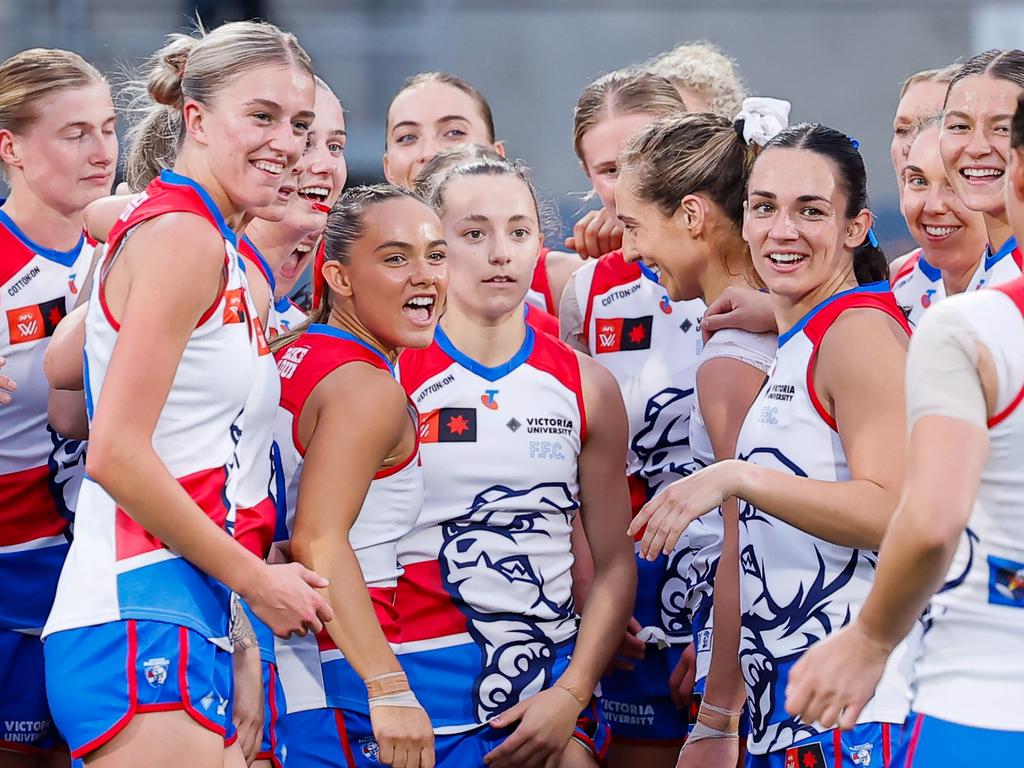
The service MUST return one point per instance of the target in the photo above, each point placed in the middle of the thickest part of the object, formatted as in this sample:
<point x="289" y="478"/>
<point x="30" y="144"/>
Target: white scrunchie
<point x="763" y="118"/>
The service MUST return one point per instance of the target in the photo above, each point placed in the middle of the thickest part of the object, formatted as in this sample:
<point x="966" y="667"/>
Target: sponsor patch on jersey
<point x="1005" y="582"/>
<point x="35" y="322"/>
<point x="624" y="334"/>
<point x="810" y="756"/>
<point x="234" y="306"/>
<point x="448" y="425"/>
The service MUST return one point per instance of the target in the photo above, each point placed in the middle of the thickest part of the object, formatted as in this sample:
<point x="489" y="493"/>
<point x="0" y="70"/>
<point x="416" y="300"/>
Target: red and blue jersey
<point x="313" y="670"/>
<point x="485" y="600"/>
<point x="116" y="569"/>
<point x="38" y="286"/>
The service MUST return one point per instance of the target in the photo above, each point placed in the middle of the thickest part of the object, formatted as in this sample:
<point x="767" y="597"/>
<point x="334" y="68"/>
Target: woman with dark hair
<point x="819" y="460"/>
<point x="956" y="540"/>
<point x="352" y="480"/>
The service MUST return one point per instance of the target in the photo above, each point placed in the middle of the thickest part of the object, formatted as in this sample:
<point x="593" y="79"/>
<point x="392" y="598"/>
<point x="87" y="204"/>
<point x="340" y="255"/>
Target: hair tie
<point x="761" y="119"/>
<point x="871" y="237"/>
<point x="854" y="143"/>
<point x="738" y="125"/>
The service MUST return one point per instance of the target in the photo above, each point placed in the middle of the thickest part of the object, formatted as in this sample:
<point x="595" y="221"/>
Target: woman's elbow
<point x="67" y="416"/>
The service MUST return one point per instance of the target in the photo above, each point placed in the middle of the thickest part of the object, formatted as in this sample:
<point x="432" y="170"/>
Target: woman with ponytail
<point x="172" y="341"/>
<point x="819" y="459"/>
<point x="352" y="479"/>
<point x="680" y="197"/>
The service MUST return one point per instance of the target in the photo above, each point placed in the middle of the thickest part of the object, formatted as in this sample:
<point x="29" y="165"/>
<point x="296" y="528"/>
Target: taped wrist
<point x="405" y="699"/>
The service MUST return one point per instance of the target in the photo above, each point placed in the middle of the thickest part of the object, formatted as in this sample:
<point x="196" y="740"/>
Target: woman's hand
<point x="837" y="677"/>
<point x="546" y="723"/>
<point x="247" y="706"/>
<point x="742" y="308"/>
<point x="287" y="601"/>
<point x="667" y="514"/>
<point x="710" y="753"/>
<point x="7" y="385"/>
<point x="404" y="736"/>
<point x="596" y="234"/>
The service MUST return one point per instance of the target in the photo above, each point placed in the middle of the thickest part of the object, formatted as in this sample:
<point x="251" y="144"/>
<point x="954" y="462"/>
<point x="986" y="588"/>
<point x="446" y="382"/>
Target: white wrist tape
<point x="403" y="699"/>
<point x="701" y="732"/>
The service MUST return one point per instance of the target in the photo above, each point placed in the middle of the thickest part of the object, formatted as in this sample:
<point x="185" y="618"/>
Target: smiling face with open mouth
<point x="795" y="223"/>
<point x="395" y="278"/>
<point x="975" y="140"/>
<point x="952" y="235"/>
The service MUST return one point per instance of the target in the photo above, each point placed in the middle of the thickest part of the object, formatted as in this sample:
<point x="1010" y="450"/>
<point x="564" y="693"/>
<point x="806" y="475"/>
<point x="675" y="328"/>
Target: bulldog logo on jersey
<point x="35" y="322"/>
<point x="516" y="646"/>
<point x="666" y="431"/>
<point x="624" y="334"/>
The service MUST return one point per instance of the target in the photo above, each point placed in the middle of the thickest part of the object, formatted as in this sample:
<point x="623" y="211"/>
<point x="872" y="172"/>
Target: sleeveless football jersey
<point x="795" y="589"/>
<point x="540" y="320"/>
<point x="37" y="288"/>
<point x="285" y="315"/>
<point x="650" y="345"/>
<point x="313" y="671"/>
<point x="970" y="670"/>
<point x="539" y="294"/>
<point x="1003" y="265"/>
<point x="918" y="285"/>
<point x="486" y="598"/>
<point x="117" y="570"/>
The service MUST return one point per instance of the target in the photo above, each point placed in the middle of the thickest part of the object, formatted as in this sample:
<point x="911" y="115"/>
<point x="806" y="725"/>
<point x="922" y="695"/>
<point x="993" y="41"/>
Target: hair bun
<point x="168" y="71"/>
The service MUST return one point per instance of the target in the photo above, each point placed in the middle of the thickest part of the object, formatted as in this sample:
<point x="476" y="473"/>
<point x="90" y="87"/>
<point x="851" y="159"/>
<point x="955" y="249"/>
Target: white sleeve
<point x="942" y="369"/>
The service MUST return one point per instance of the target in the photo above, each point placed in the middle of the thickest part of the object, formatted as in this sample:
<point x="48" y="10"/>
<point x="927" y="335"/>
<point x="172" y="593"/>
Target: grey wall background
<point x="838" y="61"/>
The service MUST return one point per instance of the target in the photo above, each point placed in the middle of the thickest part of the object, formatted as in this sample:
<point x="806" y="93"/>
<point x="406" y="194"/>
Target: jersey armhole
<point x="1014" y="290"/>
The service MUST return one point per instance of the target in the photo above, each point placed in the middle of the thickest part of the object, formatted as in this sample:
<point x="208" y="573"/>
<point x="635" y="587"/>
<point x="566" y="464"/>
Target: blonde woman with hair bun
<point x="172" y="341"/>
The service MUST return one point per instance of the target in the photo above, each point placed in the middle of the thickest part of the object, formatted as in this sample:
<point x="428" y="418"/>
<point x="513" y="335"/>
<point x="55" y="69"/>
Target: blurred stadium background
<point x="838" y="61"/>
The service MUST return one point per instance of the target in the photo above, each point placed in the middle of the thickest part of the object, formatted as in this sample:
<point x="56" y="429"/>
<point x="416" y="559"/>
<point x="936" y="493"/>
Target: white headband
<point x="762" y="119"/>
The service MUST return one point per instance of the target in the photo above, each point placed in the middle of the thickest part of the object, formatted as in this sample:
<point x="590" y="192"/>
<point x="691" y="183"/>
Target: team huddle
<point x="713" y="483"/>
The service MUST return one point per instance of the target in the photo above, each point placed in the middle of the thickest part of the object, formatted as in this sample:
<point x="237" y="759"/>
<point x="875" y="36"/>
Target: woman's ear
<point x="192" y="116"/>
<point x="857" y="229"/>
<point x="499" y="147"/>
<point x="336" y="278"/>
<point x="691" y="215"/>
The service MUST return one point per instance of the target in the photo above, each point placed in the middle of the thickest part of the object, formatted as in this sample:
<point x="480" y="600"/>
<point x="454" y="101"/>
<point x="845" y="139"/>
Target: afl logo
<point x="926" y="298"/>
<point x="488" y="399"/>
<point x="666" y="305"/>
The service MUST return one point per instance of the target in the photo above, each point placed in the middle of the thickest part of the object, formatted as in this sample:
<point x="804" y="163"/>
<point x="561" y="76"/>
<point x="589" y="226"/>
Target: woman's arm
<point x="952" y="392"/>
<point x="546" y="720"/>
<point x="158" y="298"/>
<point x="354" y="421"/>
<point x="859" y="375"/>
<point x="727" y="387"/>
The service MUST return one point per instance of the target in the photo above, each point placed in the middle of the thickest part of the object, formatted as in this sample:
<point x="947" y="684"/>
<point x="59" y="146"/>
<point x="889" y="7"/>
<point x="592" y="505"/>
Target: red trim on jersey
<point x="14" y="255"/>
<point x="818" y="326"/>
<point x="254" y="527"/>
<point x="339" y="721"/>
<point x="186" y="697"/>
<point x="886" y="745"/>
<point x="837" y="747"/>
<point x="414" y="454"/>
<point x="206" y="488"/>
<point x="318" y="278"/>
<point x="541" y="321"/>
<point x="324" y="355"/>
<point x="415" y="366"/>
<point x="907" y="267"/>
<point x="27" y="508"/>
<point x="426" y="607"/>
<point x="1018" y="257"/>
<point x="560" y="360"/>
<point x="133" y="698"/>
<point x="610" y="272"/>
<point x="157" y="200"/>
<point x="246" y="251"/>
<point x="541" y="283"/>
<point x="1015" y="291"/>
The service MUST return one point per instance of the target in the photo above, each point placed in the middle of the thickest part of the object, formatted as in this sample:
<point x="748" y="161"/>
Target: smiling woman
<point x="975" y="144"/>
<point x="171" y="347"/>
